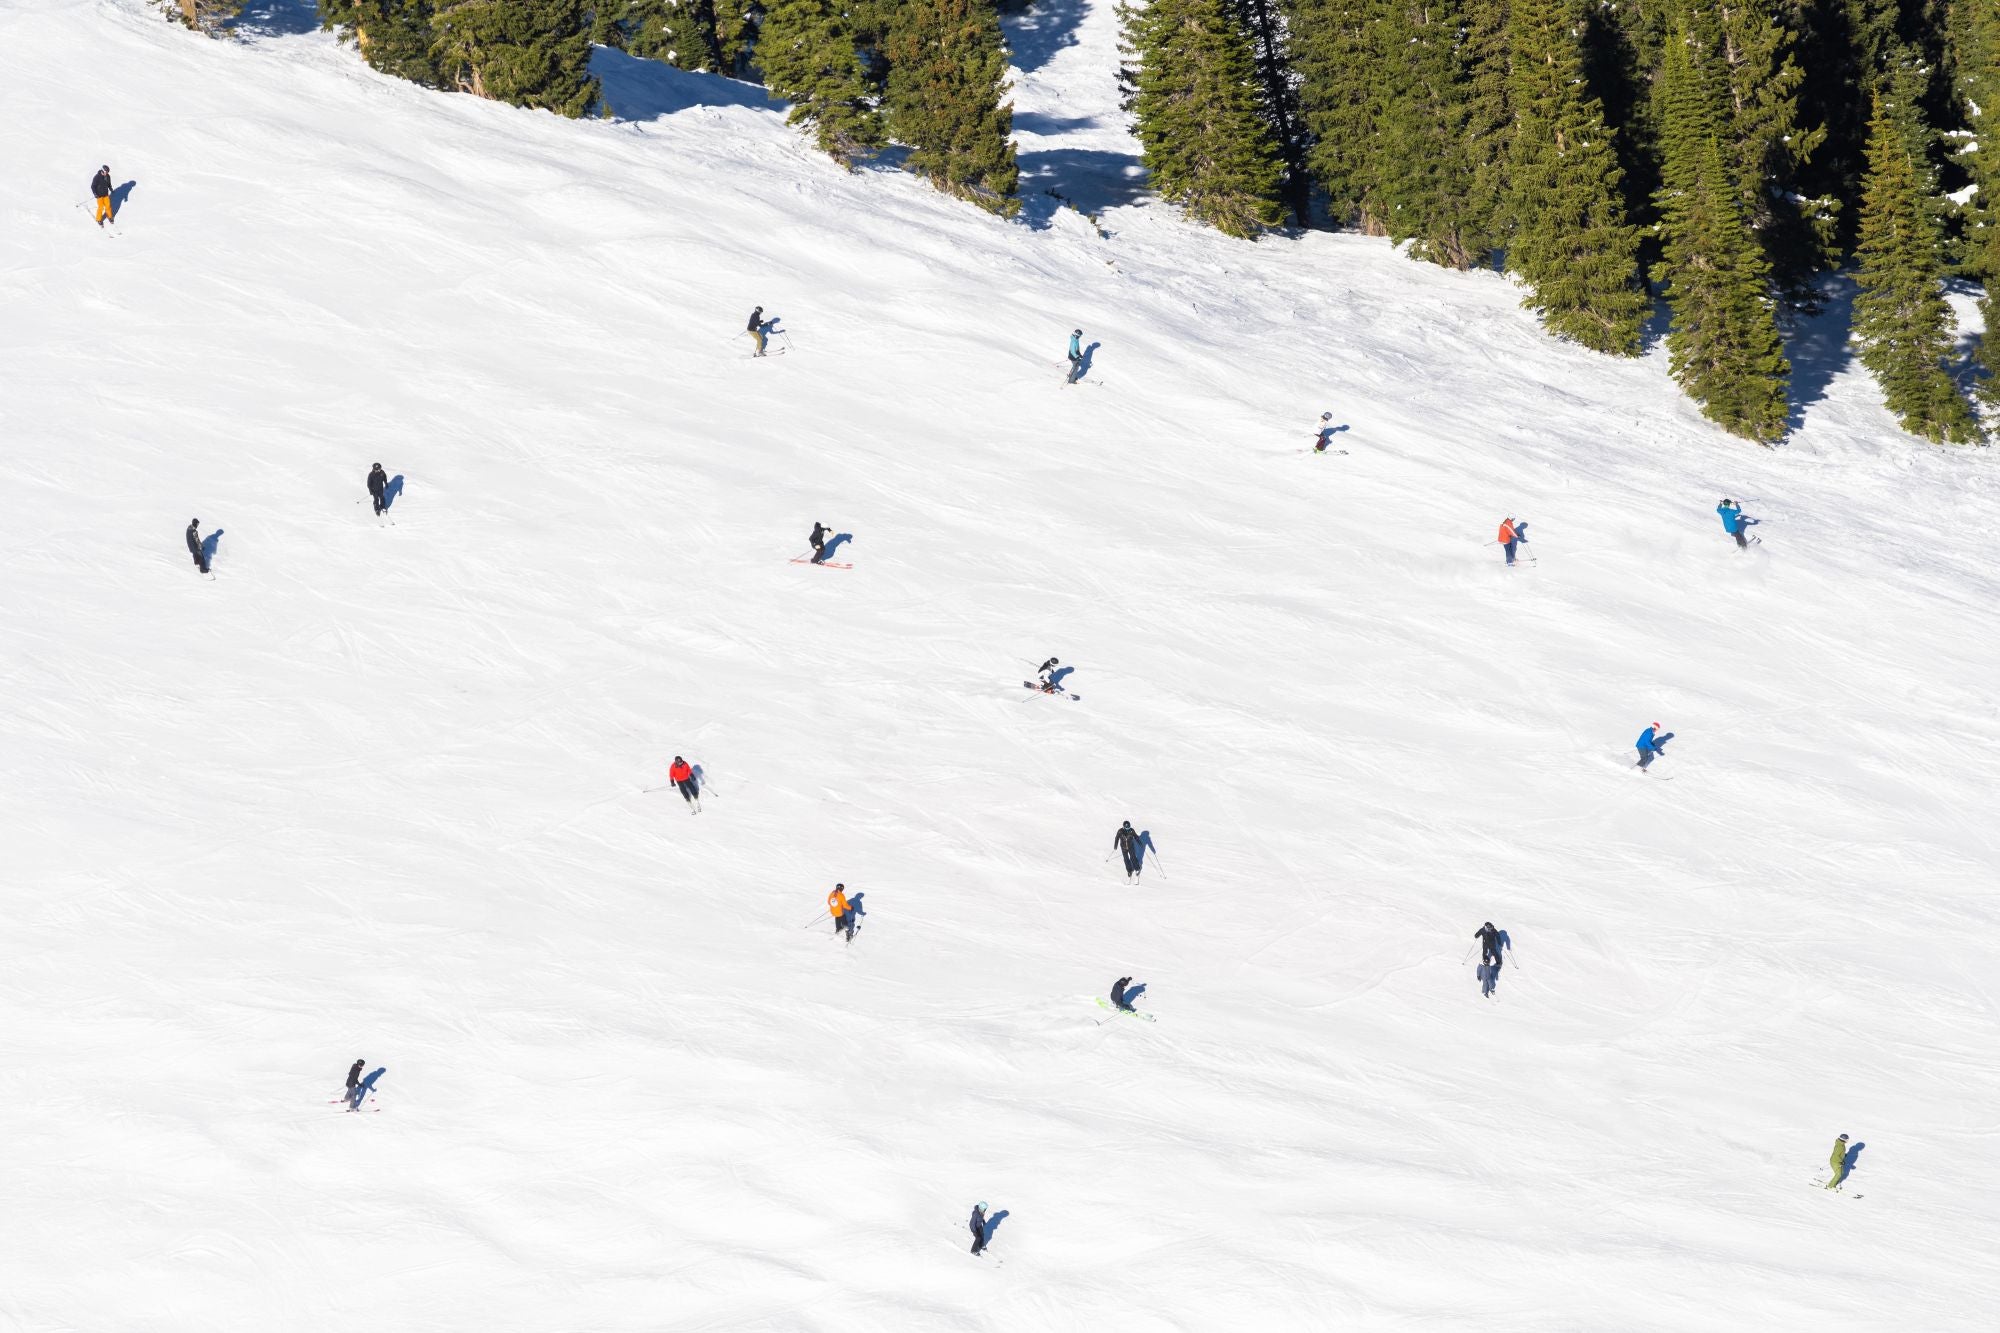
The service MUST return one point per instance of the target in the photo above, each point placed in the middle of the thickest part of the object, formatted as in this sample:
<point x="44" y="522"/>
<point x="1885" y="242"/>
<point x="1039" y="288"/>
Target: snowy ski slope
<point x="376" y="791"/>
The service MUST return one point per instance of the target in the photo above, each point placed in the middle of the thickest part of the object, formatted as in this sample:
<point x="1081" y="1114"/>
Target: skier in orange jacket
<point x="1512" y="534"/>
<point x="682" y="776"/>
<point x="843" y="915"/>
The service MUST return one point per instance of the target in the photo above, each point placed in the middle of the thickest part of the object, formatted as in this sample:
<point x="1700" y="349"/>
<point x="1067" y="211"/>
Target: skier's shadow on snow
<point x="1059" y="675"/>
<point x="833" y="544"/>
<point x="208" y="545"/>
<point x="701" y="780"/>
<point x="858" y="908"/>
<point x="1132" y="993"/>
<point x="1489" y="977"/>
<point x="993" y="1221"/>
<point x="1853" y="1156"/>
<point x="392" y="491"/>
<point x="1089" y="354"/>
<point x="118" y="197"/>
<point x="1142" y="848"/>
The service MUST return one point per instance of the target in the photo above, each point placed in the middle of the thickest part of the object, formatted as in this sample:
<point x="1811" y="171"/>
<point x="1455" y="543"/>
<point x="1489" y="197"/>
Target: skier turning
<point x="1043" y="673"/>
<point x="1118" y="1000"/>
<point x="1489" y="945"/>
<point x="1325" y="433"/>
<point x="1512" y="534"/>
<point x="842" y="912"/>
<point x="682" y="776"/>
<point x="818" y="537"/>
<point x="1735" y="523"/>
<point x="1652" y="744"/>
<point x="1838" y="1162"/>
<point x="378" y="482"/>
<point x="354" y="1076"/>
<point x="1127" y="843"/>
<point x="194" y="545"/>
<point x="1075" y="356"/>
<point x="756" y="329"/>
<point x="100" y="189"/>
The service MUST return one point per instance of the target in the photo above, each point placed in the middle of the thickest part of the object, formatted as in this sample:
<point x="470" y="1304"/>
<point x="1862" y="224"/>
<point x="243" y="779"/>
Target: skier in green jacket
<point x="1839" y="1162"/>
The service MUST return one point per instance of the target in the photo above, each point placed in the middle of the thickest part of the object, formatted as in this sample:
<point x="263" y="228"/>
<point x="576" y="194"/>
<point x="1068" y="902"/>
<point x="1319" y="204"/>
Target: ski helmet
<point x="1326" y="416"/>
<point x="1076" y="333"/>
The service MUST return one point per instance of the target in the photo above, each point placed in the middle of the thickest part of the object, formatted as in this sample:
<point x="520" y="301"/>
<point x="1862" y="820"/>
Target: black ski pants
<point x="688" y="791"/>
<point x="1132" y="859"/>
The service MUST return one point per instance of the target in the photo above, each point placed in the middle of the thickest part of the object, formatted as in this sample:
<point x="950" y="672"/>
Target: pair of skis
<point x="1044" y="689"/>
<point x="823" y="564"/>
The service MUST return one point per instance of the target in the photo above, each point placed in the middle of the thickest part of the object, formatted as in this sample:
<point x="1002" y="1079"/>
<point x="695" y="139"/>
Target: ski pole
<point x="646" y="790"/>
<point x="1468" y="954"/>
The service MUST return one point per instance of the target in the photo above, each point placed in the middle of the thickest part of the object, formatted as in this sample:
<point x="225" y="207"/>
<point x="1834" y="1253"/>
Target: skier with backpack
<point x="841" y="911"/>
<point x="682" y="776"/>
<point x="1736" y="523"/>
<point x="1126" y="840"/>
<point x="1651" y="744"/>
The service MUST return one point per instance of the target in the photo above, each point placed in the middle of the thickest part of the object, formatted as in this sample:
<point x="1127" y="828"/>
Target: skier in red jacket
<point x="682" y="776"/>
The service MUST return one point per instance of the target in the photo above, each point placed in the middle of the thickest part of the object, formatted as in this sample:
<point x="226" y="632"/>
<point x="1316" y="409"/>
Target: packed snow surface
<point x="377" y="790"/>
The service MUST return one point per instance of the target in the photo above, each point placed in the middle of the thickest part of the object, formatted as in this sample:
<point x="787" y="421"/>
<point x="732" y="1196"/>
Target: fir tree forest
<point x="1693" y="170"/>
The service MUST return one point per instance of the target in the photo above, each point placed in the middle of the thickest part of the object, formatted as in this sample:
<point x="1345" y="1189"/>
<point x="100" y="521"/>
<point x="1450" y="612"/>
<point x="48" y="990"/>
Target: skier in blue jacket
<point x="1734" y="522"/>
<point x="1075" y="355"/>
<point x="1652" y="743"/>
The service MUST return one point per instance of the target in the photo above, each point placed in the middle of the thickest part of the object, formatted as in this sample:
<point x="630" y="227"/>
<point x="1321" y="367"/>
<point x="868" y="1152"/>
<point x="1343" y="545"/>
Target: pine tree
<point x="203" y="16"/>
<point x="394" y="36"/>
<point x="1722" y="343"/>
<point x="1270" y="51"/>
<point x="706" y="36"/>
<point x="1976" y="58"/>
<point x="1443" y="123"/>
<point x="1571" y="242"/>
<point x="947" y="75"/>
<point x="809" y="57"/>
<point x="1901" y="319"/>
<point x="533" y="53"/>
<point x="1747" y="52"/>
<point x="1198" y="118"/>
<point x="1337" y="59"/>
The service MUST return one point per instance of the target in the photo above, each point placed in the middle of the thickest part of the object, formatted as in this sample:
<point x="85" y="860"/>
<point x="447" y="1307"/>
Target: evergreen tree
<point x="1747" y="52"/>
<point x="1269" y="48"/>
<point x="808" y="54"/>
<point x="1337" y="59"/>
<point x="1443" y="122"/>
<point x="706" y="36"/>
<point x="1722" y="343"/>
<point x="1571" y="242"/>
<point x="203" y="16"/>
<point x="1901" y="319"/>
<point x="394" y="36"/>
<point x="1976" y="58"/>
<point x="1207" y="144"/>
<point x="533" y="53"/>
<point x="947" y="75"/>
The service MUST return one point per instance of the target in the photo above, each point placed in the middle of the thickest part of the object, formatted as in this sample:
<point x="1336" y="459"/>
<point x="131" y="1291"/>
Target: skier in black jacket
<point x="1127" y="843"/>
<point x="354" y="1075"/>
<point x="1489" y="944"/>
<point x="978" y="1227"/>
<point x="1048" y="681"/>
<point x="756" y="328"/>
<point x="100" y="189"/>
<point x="818" y="540"/>
<point x="1118" y="993"/>
<point x="194" y="545"/>
<point x="378" y="481"/>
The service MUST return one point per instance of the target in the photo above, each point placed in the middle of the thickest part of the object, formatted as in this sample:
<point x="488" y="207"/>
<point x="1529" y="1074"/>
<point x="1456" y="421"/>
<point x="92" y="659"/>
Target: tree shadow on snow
<point x="1034" y="122"/>
<point x="277" y="18"/>
<point x="1817" y="344"/>
<point x="636" y="89"/>
<point x="833" y="544"/>
<point x="1089" y="180"/>
<point x="1048" y="27"/>
<point x="390" y="492"/>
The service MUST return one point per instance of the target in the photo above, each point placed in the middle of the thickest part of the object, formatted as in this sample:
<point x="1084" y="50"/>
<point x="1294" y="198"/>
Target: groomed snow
<point x="376" y="791"/>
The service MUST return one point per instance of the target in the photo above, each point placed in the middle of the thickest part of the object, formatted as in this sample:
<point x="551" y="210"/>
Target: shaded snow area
<point x="377" y="791"/>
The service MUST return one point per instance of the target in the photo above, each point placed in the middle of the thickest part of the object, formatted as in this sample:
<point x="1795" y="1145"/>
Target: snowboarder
<point x="843" y="913"/>
<point x="756" y="329"/>
<point x="101" y="189"/>
<point x="194" y="545"/>
<point x="1838" y="1162"/>
<point x="1127" y="843"/>
<point x="682" y="776"/>
<point x="1512" y="534"/>
<point x="1118" y="1000"/>
<point x="1043" y="673"/>
<point x="359" y="1092"/>
<point x="1652" y="744"/>
<point x="1735" y="523"/>
<point x="378" y="482"/>
<point x="1325" y="434"/>
<point x="354" y="1076"/>
<point x="1489" y="945"/>
<point x="818" y="538"/>
<point x="1075" y="356"/>
<point x="978" y="1226"/>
